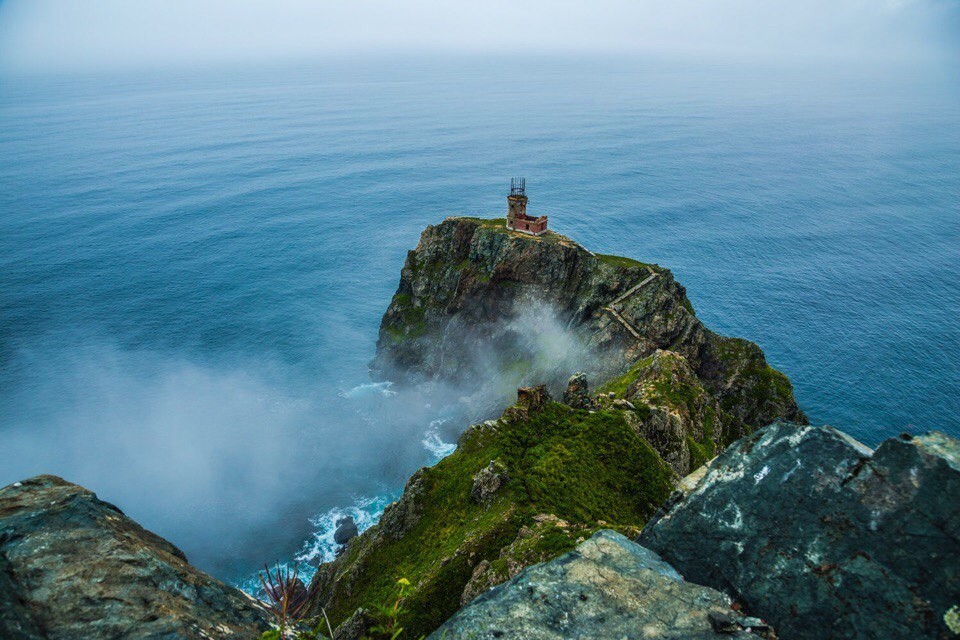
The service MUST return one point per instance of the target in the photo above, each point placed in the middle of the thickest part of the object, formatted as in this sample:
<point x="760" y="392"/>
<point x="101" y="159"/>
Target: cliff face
<point x="73" y="566"/>
<point x="477" y="301"/>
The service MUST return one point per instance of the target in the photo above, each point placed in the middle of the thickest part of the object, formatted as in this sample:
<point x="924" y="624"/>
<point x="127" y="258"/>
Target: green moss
<point x="580" y="466"/>
<point x="412" y="322"/>
<point x="620" y="261"/>
<point x="621" y="384"/>
<point x="760" y="384"/>
<point x="700" y="452"/>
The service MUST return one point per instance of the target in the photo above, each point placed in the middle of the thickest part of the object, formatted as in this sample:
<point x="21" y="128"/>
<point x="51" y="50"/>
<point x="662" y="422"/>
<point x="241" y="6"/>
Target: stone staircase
<point x="615" y="312"/>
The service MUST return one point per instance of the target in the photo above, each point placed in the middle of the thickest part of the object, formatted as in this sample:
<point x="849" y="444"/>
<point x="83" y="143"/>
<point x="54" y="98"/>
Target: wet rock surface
<point x="608" y="587"/>
<point x="346" y="530"/>
<point x="822" y="536"/>
<point x="73" y="566"/>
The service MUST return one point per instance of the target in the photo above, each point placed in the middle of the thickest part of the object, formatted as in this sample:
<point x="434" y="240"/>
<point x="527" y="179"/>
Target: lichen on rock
<point x="607" y="587"/>
<point x="73" y="566"/>
<point x="805" y="525"/>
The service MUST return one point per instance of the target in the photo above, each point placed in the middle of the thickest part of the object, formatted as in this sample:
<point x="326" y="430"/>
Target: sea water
<point x="193" y="263"/>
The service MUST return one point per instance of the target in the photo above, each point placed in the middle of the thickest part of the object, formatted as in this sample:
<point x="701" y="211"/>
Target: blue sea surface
<point x="193" y="264"/>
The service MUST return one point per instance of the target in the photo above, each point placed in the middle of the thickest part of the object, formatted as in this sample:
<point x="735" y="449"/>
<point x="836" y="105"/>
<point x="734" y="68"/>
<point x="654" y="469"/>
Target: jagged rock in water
<point x="73" y="566"/>
<point x="823" y="537"/>
<point x="466" y="291"/>
<point x="488" y="481"/>
<point x="346" y="530"/>
<point x="577" y="393"/>
<point x="608" y="587"/>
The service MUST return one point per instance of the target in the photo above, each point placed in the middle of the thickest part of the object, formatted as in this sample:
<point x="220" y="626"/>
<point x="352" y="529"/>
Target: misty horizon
<point x="45" y="35"/>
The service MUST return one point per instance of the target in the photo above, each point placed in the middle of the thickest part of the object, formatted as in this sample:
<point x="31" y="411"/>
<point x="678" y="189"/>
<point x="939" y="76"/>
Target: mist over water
<point x="193" y="265"/>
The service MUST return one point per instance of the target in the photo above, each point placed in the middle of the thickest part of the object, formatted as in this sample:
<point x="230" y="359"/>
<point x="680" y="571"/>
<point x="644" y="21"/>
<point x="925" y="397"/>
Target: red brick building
<point x="517" y="218"/>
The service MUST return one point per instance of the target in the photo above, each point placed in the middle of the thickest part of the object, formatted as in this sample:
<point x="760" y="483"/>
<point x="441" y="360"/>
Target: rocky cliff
<point x="476" y="300"/>
<point x="608" y="587"/>
<point x="73" y="566"/>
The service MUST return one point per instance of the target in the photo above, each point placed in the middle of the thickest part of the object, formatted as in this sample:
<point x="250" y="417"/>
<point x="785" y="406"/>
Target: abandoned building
<point x="517" y="218"/>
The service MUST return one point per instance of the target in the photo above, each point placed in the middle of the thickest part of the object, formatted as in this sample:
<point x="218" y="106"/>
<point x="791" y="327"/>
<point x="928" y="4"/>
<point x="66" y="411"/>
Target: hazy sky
<point x="68" y="34"/>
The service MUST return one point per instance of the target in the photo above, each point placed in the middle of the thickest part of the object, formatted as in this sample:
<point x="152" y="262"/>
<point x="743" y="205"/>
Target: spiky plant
<point x="287" y="597"/>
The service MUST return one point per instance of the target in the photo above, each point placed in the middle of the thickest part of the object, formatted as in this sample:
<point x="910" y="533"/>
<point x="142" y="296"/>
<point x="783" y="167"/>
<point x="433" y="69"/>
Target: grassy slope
<point x="579" y="466"/>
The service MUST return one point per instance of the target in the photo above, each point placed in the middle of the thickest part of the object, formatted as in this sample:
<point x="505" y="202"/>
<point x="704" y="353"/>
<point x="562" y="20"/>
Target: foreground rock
<point x="73" y="566"/>
<point x="608" y="587"/>
<point x="823" y="537"/>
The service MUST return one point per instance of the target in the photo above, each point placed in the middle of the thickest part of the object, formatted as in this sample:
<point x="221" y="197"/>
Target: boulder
<point x="822" y="536"/>
<point x="346" y="530"/>
<point x="577" y="394"/>
<point x="608" y="587"/>
<point x="488" y="481"/>
<point x="73" y="566"/>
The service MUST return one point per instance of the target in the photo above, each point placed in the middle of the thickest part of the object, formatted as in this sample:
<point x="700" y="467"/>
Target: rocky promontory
<point x="657" y="394"/>
<point x="474" y="297"/>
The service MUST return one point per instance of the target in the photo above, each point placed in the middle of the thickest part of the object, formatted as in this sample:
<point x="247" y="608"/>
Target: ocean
<point x="194" y="262"/>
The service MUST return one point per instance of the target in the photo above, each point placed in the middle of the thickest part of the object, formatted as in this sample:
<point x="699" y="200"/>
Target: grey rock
<point x="356" y="627"/>
<point x="488" y="481"/>
<point x="608" y="587"/>
<point x="346" y="530"/>
<point x="73" y="566"/>
<point x="823" y="537"/>
<point x="577" y="393"/>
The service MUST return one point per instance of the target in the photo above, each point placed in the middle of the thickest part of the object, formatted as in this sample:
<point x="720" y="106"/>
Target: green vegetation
<point x="763" y="387"/>
<point x="620" y="261"/>
<point x="621" y="384"/>
<point x="578" y="466"/>
<point x="412" y="318"/>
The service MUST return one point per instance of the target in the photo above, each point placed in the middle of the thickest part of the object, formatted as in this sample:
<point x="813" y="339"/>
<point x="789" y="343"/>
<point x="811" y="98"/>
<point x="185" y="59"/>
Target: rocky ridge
<point x="608" y="587"/>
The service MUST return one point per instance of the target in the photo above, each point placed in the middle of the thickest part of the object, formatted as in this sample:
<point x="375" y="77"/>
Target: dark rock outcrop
<point x="608" y="587"/>
<point x="577" y="393"/>
<point x="346" y="530"/>
<point x="823" y="537"/>
<point x="73" y="566"/>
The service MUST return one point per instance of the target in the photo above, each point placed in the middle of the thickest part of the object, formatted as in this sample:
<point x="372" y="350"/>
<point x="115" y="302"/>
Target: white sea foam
<point x="433" y="443"/>
<point x="371" y="388"/>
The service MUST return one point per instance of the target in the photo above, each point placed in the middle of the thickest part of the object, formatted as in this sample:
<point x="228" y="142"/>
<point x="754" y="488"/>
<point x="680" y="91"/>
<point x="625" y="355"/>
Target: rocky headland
<point x="669" y="488"/>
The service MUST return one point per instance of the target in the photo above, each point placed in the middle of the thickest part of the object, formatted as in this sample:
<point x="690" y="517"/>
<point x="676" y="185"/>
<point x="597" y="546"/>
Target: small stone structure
<point x="517" y="218"/>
